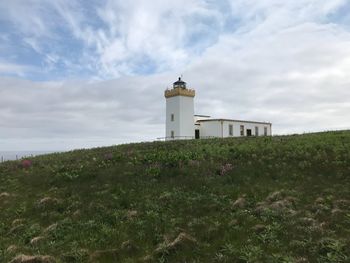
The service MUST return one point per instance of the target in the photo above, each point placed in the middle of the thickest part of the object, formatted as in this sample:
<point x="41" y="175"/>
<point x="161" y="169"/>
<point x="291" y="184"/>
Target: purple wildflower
<point x="108" y="156"/>
<point x="26" y="164"/>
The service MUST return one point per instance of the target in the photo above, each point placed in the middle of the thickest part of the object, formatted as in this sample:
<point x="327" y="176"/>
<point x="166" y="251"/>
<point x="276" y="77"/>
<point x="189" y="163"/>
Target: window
<point x="265" y="131"/>
<point x="242" y="130"/>
<point x="172" y="134"/>
<point x="230" y="129"/>
<point x="172" y="117"/>
<point x="256" y="131"/>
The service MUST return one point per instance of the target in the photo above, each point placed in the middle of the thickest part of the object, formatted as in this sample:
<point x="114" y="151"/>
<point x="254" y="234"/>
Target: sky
<point x="87" y="73"/>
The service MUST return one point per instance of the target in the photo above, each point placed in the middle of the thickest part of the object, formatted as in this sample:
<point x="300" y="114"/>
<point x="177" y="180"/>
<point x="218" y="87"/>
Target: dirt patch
<point x="336" y="212"/>
<point x="33" y="259"/>
<point x="278" y="195"/>
<point x="51" y="228"/>
<point x="278" y="202"/>
<point x="131" y="214"/>
<point x="4" y="195"/>
<point x="12" y="249"/>
<point x="36" y="240"/>
<point x="182" y="240"/>
<point x="240" y="203"/>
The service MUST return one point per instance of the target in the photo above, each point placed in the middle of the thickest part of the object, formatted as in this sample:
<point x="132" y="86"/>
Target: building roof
<point x="258" y="122"/>
<point x="206" y="116"/>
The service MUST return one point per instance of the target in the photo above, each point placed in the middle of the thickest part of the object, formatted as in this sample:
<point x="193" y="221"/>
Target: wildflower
<point x="26" y="164"/>
<point x="108" y="156"/>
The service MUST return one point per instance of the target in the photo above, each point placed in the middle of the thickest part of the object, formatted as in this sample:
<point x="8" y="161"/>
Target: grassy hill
<point x="268" y="199"/>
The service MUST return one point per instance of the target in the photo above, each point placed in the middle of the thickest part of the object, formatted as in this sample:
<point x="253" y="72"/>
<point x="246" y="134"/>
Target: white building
<point x="181" y="123"/>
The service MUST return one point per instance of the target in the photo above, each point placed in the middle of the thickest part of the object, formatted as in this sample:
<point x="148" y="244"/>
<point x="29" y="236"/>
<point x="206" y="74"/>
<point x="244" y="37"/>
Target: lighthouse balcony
<point x="179" y="92"/>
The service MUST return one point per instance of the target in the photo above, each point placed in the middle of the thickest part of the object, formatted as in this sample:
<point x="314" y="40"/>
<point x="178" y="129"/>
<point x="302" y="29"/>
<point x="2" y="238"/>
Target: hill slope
<point x="279" y="199"/>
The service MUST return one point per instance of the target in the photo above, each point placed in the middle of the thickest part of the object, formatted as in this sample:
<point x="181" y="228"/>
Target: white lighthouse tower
<point x="179" y="112"/>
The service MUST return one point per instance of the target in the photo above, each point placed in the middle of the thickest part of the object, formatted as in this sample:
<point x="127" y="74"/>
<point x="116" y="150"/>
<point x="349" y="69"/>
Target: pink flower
<point x="108" y="156"/>
<point x="26" y="164"/>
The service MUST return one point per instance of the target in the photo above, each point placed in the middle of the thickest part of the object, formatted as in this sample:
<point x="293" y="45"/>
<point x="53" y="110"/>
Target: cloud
<point x="297" y="79"/>
<point x="14" y="69"/>
<point x="160" y="31"/>
<point x="27" y="17"/>
<point x="112" y="38"/>
<point x="285" y="62"/>
<point x="101" y="113"/>
<point x="115" y="39"/>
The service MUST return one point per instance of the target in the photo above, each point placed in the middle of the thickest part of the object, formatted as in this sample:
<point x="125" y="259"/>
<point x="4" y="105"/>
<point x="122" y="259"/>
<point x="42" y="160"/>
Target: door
<point x="196" y="134"/>
<point x="249" y="132"/>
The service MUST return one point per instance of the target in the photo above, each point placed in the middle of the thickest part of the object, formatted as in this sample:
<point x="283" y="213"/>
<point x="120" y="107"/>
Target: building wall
<point x="221" y="128"/>
<point x="210" y="129"/>
<point x="247" y="125"/>
<point x="183" y="109"/>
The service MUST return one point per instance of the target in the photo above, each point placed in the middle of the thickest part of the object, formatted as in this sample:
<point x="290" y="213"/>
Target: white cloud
<point x="116" y="35"/>
<point x="158" y="31"/>
<point x="14" y="69"/>
<point x="285" y="62"/>
<point x="297" y="78"/>
<point x="27" y="16"/>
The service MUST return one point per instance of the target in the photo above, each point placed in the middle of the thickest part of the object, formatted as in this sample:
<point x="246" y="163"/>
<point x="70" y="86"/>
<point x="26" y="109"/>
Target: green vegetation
<point x="268" y="199"/>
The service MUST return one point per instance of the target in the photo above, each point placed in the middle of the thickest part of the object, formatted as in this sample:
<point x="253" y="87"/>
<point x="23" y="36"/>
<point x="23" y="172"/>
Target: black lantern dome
<point x="180" y="84"/>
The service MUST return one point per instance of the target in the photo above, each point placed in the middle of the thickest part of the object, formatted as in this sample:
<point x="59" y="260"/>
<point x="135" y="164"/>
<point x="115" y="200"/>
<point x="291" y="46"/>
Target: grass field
<point x="267" y="199"/>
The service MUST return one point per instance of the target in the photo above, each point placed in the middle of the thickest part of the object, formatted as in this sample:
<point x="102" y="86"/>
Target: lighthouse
<point x="179" y="111"/>
<point x="182" y="123"/>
